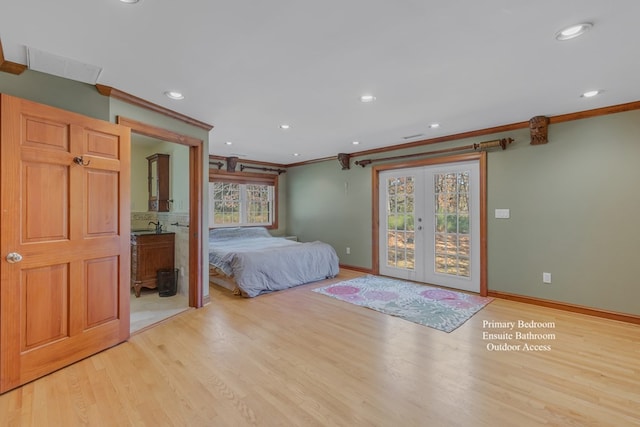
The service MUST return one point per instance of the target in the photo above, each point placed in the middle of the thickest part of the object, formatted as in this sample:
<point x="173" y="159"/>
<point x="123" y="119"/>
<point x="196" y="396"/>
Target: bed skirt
<point x="217" y="277"/>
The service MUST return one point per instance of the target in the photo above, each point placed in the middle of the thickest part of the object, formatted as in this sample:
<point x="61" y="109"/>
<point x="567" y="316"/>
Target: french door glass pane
<point x="400" y="222"/>
<point x="451" y="223"/>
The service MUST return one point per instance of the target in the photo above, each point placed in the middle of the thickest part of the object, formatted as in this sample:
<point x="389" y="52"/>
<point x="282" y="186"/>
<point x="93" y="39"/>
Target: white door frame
<point x="481" y="158"/>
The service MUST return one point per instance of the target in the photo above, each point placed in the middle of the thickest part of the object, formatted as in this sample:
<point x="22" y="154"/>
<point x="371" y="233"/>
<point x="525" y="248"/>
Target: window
<point x="225" y="198"/>
<point x="242" y="200"/>
<point x="259" y="201"/>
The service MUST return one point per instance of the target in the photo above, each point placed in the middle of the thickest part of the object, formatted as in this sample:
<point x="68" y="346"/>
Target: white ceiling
<point x="246" y="66"/>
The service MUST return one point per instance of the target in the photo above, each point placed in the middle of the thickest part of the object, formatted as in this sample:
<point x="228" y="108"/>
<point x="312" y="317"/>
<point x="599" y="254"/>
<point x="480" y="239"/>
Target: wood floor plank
<point x="299" y="358"/>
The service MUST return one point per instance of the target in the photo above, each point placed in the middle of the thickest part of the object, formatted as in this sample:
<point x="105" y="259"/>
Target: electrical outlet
<point x="348" y="250"/>
<point x="546" y="277"/>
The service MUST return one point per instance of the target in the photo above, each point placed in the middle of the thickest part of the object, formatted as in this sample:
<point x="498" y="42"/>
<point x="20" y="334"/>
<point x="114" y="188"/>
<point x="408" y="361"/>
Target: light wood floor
<point x="298" y="358"/>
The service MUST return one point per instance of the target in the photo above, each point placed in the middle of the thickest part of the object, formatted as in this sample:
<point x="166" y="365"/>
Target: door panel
<point x="52" y="134"/>
<point x="44" y="305"/>
<point x="102" y="202"/>
<point x="45" y="185"/>
<point x="101" y="144"/>
<point x="64" y="208"/>
<point x="102" y="298"/>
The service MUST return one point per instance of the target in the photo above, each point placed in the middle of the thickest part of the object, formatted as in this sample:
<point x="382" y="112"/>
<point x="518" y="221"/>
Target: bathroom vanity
<point x="150" y="252"/>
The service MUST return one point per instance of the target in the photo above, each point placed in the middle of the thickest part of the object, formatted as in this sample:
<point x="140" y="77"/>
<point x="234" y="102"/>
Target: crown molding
<point x="481" y="132"/>
<point x="8" y="66"/>
<point x="213" y="158"/>
<point x="139" y="102"/>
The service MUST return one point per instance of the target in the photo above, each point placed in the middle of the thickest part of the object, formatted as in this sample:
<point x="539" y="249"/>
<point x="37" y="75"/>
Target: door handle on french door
<point x="13" y="257"/>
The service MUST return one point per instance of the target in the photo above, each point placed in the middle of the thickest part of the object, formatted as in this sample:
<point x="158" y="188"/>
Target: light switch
<point x="503" y="213"/>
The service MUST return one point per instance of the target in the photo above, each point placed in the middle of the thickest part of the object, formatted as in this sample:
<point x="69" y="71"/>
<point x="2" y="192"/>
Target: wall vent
<point x="49" y="63"/>
<point x="413" y="136"/>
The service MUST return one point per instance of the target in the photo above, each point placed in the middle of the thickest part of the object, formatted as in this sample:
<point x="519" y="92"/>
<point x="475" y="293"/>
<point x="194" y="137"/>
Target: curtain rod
<point x="481" y="146"/>
<point x="243" y="167"/>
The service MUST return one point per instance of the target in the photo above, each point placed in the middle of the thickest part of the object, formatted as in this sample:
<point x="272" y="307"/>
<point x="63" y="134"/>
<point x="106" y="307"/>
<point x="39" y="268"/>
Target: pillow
<point x="238" y="233"/>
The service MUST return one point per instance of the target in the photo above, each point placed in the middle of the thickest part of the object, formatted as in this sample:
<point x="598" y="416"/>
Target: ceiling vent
<point x="49" y="63"/>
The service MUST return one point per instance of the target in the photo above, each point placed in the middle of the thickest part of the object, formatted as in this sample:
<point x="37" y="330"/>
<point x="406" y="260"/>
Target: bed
<point x="251" y="262"/>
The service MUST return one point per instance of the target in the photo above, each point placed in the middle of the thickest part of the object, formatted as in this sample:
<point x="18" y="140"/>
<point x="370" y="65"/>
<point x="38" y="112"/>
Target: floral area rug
<point x="438" y="308"/>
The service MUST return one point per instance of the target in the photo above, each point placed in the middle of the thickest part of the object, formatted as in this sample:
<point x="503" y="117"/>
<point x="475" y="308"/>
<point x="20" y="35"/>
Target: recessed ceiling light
<point x="296" y="154"/>
<point x="591" y="93"/>
<point x="356" y="142"/>
<point x="228" y="143"/>
<point x="573" y="31"/>
<point x="129" y="1"/>
<point x="285" y="126"/>
<point x="367" y="98"/>
<point x="434" y="125"/>
<point x="174" y="95"/>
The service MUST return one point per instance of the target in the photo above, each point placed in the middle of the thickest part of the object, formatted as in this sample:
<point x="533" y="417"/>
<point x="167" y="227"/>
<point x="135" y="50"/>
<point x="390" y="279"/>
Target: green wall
<point x="573" y="203"/>
<point x="57" y="92"/>
<point x="178" y="173"/>
<point x="139" y="175"/>
<point x="329" y="204"/>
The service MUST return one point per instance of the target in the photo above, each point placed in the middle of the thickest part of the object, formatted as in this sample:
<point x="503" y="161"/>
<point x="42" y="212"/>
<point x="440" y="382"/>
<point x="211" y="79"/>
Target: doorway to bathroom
<point x="169" y="235"/>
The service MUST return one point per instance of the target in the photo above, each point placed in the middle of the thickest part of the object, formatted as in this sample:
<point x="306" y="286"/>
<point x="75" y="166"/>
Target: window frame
<point x="247" y="178"/>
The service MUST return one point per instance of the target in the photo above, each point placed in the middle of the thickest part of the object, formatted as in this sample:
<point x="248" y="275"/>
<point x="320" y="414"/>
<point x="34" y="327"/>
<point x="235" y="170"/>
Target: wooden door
<point x="65" y="182"/>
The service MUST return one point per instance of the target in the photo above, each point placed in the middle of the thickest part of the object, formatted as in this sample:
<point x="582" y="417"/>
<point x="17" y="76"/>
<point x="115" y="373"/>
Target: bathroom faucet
<point x="158" y="226"/>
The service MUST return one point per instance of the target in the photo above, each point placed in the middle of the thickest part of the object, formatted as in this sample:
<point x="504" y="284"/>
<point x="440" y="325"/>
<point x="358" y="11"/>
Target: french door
<point x="429" y="224"/>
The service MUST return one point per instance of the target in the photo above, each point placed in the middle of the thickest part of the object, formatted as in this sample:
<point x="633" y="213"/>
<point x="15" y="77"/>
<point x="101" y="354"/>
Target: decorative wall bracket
<point x="344" y="158"/>
<point x="231" y="164"/>
<point x="539" y="126"/>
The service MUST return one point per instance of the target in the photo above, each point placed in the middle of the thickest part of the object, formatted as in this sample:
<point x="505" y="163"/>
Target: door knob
<point x="13" y="257"/>
<point x="80" y="161"/>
